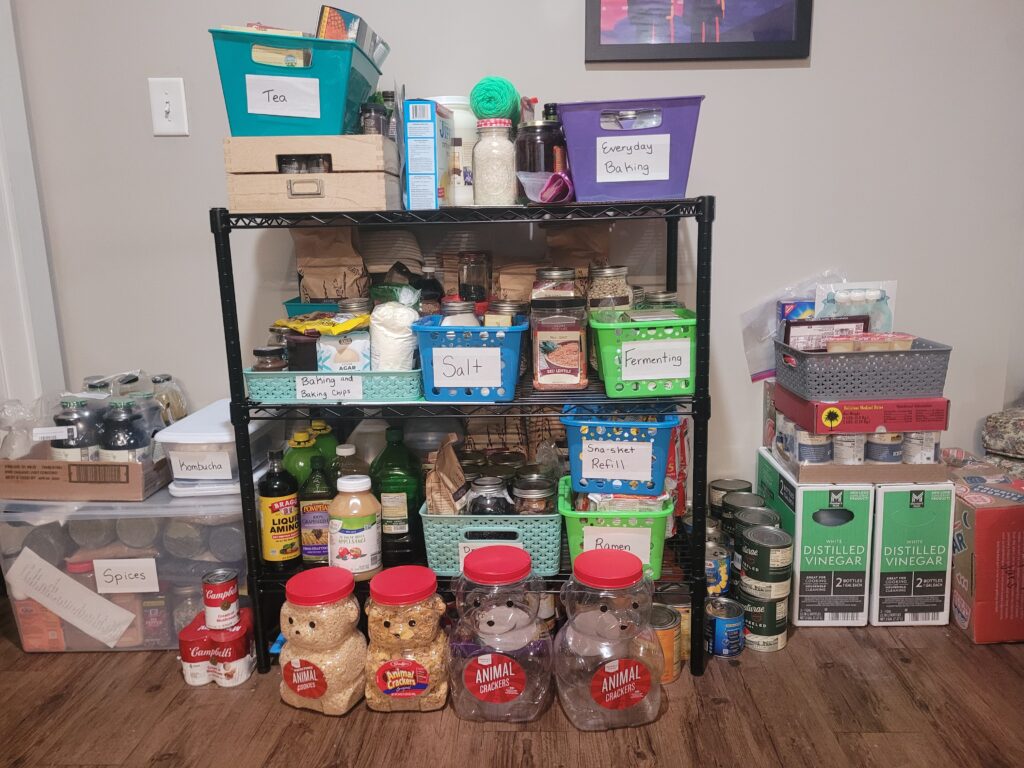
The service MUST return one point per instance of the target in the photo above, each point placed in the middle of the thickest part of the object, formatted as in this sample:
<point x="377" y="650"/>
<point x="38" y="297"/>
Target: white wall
<point x="894" y="152"/>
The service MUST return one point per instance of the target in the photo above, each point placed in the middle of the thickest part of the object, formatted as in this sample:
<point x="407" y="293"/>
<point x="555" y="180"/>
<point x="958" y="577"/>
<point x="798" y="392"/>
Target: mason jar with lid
<point x="503" y="312"/>
<point x="540" y="148"/>
<point x="355" y="306"/>
<point x="534" y="496"/>
<point x="494" y="163"/>
<point x="662" y="300"/>
<point x="269" y="359"/>
<point x="490" y="497"/>
<point x="608" y="288"/>
<point x="474" y="275"/>
<point x="459" y="313"/>
<point x="555" y="283"/>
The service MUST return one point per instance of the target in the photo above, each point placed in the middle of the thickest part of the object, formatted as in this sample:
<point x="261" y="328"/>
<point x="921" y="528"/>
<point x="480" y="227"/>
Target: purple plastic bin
<point x="636" y="149"/>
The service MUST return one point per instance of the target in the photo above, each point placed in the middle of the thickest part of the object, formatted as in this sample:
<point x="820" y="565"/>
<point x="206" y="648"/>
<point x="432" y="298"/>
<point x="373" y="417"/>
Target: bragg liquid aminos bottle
<point x="279" y="516"/>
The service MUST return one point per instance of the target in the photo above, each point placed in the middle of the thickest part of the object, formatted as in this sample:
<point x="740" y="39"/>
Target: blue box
<point x="794" y="309"/>
<point x="427" y="143"/>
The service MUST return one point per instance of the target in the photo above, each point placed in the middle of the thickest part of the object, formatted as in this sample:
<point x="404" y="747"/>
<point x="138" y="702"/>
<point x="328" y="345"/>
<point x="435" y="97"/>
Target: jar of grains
<point x="607" y="289"/>
<point x="494" y="163"/>
<point x="559" y="335"/>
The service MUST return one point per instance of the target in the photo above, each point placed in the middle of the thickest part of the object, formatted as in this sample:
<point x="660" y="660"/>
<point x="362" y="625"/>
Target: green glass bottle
<point x="326" y="442"/>
<point x="301" y="449"/>
<point x="397" y="482"/>
<point x="314" y="512"/>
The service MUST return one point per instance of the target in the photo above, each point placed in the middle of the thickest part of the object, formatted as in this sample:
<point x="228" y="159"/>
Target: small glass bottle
<point x="374" y="119"/>
<point x="173" y="405"/>
<point x="431" y="292"/>
<point x="474" y="275"/>
<point x="315" y="497"/>
<point x="354" y="528"/>
<point x="494" y="163"/>
<point x="124" y="435"/>
<point x="277" y="336"/>
<point x="269" y="359"/>
<point x="188" y="603"/>
<point x="83" y="443"/>
<point x="279" y="516"/>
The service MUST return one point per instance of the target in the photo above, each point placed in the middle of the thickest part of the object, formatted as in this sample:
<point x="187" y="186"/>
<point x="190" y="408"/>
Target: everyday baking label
<point x="655" y="360"/>
<point x="467" y="367"/>
<point x="331" y="388"/>
<point x="465" y="547"/>
<point x="633" y="158"/>
<point x="211" y="465"/>
<point x="620" y="684"/>
<point x="636" y="541"/>
<point x="134" y="574"/>
<point x="616" y="460"/>
<point x="494" y="678"/>
<point x="282" y="96"/>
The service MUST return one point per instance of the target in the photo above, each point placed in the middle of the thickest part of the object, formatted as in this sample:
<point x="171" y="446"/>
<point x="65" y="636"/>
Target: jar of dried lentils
<point x="559" y="335"/>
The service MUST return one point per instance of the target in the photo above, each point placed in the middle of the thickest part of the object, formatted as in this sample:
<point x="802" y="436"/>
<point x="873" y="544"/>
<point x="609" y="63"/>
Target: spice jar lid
<point x="319" y="586"/>
<point x="497" y="564"/>
<point x="457" y="307"/>
<point x="607" y="568"/>
<point x="355" y="305"/>
<point x="403" y="585"/>
<point x="556" y="273"/>
<point x="533" y="488"/>
<point x="72" y="402"/>
<point x="85" y="566"/>
<point x="494" y="122"/>
<point x="488" y="483"/>
<point x="507" y="306"/>
<point x="608" y="271"/>
<point x="563" y="303"/>
<point x="354" y="483"/>
<point x="268" y="352"/>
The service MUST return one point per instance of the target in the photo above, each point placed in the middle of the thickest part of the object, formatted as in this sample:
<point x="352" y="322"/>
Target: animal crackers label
<point x="494" y="678"/>
<point x="620" y="684"/>
<point x="305" y="678"/>
<point x="402" y="678"/>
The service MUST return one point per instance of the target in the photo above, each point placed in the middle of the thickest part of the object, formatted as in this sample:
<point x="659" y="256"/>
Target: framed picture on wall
<point x="697" y="30"/>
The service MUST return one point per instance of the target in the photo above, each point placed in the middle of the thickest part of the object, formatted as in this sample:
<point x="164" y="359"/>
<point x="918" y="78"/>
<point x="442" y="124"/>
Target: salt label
<point x="467" y="367"/>
<point x="616" y="460"/>
<point x="283" y="96"/>
<point x="643" y="360"/>
<point x="633" y="158"/>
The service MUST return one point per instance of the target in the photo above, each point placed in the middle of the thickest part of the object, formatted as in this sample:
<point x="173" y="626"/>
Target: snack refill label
<point x="394" y="512"/>
<point x="355" y="543"/>
<point x="402" y="678"/>
<point x="620" y="684"/>
<point x="305" y="678"/>
<point x="494" y="678"/>
<point x="279" y="526"/>
<point x="314" y="521"/>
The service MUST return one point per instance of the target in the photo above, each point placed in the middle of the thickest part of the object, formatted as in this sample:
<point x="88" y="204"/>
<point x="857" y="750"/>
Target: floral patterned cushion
<point x="1004" y="433"/>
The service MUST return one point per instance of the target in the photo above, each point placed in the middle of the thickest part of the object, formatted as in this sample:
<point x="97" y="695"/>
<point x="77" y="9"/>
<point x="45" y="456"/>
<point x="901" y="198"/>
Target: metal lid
<point x="502" y="471"/>
<point x="130" y="378"/>
<point x="472" y="458"/>
<point x="488" y="484"/>
<point x="220" y="575"/>
<point x="663" y="617"/>
<point x="359" y="305"/>
<point x="508" y="307"/>
<point x="737" y="500"/>
<point x="752" y="516"/>
<point x="715" y="551"/>
<point x="532" y="470"/>
<point x="126" y="405"/>
<point x="533" y="489"/>
<point x="730" y="484"/>
<point x="662" y="297"/>
<point x="508" y="458"/>
<point x="541" y="124"/>
<point x="72" y="403"/>
<point x="766" y="536"/>
<point x="268" y="352"/>
<point x="458" y="308"/>
<point x="608" y="271"/>
<point x="556" y="273"/>
<point x="723" y="608"/>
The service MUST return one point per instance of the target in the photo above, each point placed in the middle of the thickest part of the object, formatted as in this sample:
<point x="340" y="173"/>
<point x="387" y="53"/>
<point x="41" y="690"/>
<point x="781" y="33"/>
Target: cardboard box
<point x="38" y="478"/>
<point x="925" y="414"/>
<point x="831" y="530"/>
<point x="427" y="129"/>
<point x="862" y="473"/>
<point x="988" y="562"/>
<point x="910" y="574"/>
<point x="364" y="174"/>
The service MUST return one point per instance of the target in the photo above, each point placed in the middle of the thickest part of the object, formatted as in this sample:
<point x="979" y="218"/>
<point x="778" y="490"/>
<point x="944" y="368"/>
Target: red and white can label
<point x="620" y="684"/>
<point x="494" y="678"/>
<point x="220" y="600"/>
<point x="402" y="678"/>
<point x="305" y="678"/>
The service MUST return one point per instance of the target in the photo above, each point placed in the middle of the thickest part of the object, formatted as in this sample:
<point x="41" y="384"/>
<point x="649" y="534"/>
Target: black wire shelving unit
<point x="684" y="558"/>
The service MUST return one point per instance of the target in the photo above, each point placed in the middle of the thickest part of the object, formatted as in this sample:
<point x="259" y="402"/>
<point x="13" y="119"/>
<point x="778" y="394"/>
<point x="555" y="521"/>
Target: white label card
<point x="633" y="158"/>
<point x="53" y="433"/>
<point x="615" y="460"/>
<point x="131" y="575"/>
<point x="634" y="540"/>
<point x="328" y="387"/>
<point x="465" y="547"/>
<point x="655" y="360"/>
<point x="206" y="465"/>
<point x="32" y="577"/>
<point x="468" y="367"/>
<point x="282" y="96"/>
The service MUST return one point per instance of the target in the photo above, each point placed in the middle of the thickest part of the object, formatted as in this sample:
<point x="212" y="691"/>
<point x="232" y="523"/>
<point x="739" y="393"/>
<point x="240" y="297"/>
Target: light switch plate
<point x="167" y="106"/>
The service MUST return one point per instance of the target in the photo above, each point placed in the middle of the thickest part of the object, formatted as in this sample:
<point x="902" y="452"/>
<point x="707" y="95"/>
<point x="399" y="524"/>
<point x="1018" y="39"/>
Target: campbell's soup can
<point x="220" y="598"/>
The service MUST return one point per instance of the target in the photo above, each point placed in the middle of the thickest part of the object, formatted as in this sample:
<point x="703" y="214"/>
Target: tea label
<point x="283" y="96"/>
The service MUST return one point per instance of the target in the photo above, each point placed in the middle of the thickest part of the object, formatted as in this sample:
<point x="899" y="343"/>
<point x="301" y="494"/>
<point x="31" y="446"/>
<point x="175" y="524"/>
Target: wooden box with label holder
<point x="361" y="174"/>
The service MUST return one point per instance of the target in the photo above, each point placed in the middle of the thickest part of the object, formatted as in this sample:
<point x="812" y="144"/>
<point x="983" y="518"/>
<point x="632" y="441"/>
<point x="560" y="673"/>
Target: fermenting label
<point x="617" y="460"/>
<point x="494" y="678"/>
<point x="643" y="360"/>
<point x="394" y="513"/>
<point x="305" y="678"/>
<point x="620" y="684"/>
<point x="402" y="678"/>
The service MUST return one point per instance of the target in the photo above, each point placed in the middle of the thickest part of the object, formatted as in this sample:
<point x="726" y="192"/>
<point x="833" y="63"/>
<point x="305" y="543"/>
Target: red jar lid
<point x="608" y="568"/>
<point x="403" y="585"/>
<point x="319" y="586"/>
<point x="498" y="564"/>
<point x="85" y="566"/>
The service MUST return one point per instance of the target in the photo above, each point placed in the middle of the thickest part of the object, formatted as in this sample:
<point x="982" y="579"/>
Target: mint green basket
<point x="615" y="530"/>
<point x="352" y="387"/>
<point x="645" y="357"/>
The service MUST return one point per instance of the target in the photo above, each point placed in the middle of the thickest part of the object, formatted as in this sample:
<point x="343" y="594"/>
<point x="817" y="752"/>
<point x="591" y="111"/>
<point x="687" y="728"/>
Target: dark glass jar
<point x="302" y="351"/>
<point x="540" y="148"/>
<point x="374" y="119"/>
<point x="491" y="497"/>
<point x="269" y="359"/>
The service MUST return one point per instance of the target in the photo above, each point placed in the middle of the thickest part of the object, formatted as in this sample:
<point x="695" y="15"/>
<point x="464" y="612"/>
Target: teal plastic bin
<point x="317" y="93"/>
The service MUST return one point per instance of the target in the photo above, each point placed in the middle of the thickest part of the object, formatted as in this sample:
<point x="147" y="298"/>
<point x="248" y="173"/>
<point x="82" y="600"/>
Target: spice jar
<point x="608" y="662"/>
<point x="503" y="312"/>
<point x="459" y="313"/>
<point x="662" y="300"/>
<point x="323" y="659"/>
<point x="407" y="660"/>
<point x="474" y="275"/>
<point x="188" y="603"/>
<point x="554" y="283"/>
<point x="494" y="163"/>
<point x="302" y="351"/>
<point x="269" y="359"/>
<point x="277" y="336"/>
<point x="501" y="652"/>
<point x="534" y="496"/>
<point x="373" y="118"/>
<point x="559" y="335"/>
<point x="540" y="148"/>
<point x="639" y="297"/>
<point x="490" y="497"/>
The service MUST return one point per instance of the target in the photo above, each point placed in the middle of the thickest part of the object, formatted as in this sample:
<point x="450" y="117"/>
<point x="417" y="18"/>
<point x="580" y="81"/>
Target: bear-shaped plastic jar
<point x="407" y="660"/>
<point x="501" y="652"/>
<point x="323" y="656"/>
<point x="608" y="661"/>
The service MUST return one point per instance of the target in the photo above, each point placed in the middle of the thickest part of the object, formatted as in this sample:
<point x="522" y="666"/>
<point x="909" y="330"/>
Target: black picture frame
<point x="798" y="48"/>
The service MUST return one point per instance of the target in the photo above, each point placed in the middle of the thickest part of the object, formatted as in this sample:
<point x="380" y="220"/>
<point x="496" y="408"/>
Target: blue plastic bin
<point x="582" y="426"/>
<point x="296" y="307"/>
<point x="339" y="77"/>
<point x="499" y="368"/>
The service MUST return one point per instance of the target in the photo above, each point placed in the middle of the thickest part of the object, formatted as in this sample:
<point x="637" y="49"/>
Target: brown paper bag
<point x="446" y="485"/>
<point x="578" y="245"/>
<point x="329" y="266"/>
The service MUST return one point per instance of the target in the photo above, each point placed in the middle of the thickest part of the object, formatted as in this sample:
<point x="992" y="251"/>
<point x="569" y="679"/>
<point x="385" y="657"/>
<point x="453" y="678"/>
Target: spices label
<point x="636" y="541"/>
<point x="617" y="460"/>
<point x="305" y="678"/>
<point x="633" y="158"/>
<point x="282" y="96"/>
<point x="480" y="367"/>
<point x="494" y="678"/>
<point x="643" y="360"/>
<point x="130" y="575"/>
<point x="402" y="678"/>
<point x="620" y="684"/>
<point x="328" y="387"/>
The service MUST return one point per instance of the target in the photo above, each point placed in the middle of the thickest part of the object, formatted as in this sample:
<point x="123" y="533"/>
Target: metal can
<point x="767" y="562"/>
<point x="678" y="598"/>
<point x="921" y="447"/>
<point x="666" y="625"/>
<point x="718" y="488"/>
<point x="765" y="622"/>
<point x="884" y="448"/>
<point x="732" y="503"/>
<point x="711" y="525"/>
<point x="848" y="450"/>
<point x="688" y="523"/>
<point x="813" y="449"/>
<point x="750" y="518"/>
<point x="723" y="627"/>
<point x="220" y="598"/>
<point x="716" y="568"/>
<point x="716" y="537"/>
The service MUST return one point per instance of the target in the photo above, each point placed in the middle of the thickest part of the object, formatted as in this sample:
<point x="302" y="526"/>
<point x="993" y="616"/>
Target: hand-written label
<point x="328" y="387"/>
<point x="611" y="460"/>
<point x="282" y="96"/>
<point x="469" y="367"/>
<point x="633" y="158"/>
<point x="206" y="465"/>
<point x="637" y="541"/>
<point x="465" y="547"/>
<point x="136" y="574"/>
<point x="643" y="360"/>
<point x="40" y="434"/>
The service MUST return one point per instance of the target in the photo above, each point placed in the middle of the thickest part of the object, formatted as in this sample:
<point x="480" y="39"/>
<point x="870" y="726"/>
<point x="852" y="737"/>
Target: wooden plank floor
<point x="834" y="697"/>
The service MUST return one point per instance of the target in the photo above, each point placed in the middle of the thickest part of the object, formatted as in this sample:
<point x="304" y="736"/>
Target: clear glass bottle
<point x="173" y="404"/>
<point x="494" y="163"/>
<point x="347" y="463"/>
<point x="83" y="443"/>
<point x="431" y="292"/>
<point x="354" y="528"/>
<point x="608" y="661"/>
<point x="474" y="275"/>
<point x="188" y="603"/>
<point x="397" y="481"/>
<point x="501" y="651"/>
<point x="490" y="497"/>
<point x="315" y="496"/>
<point x="125" y="437"/>
<point x="270" y="359"/>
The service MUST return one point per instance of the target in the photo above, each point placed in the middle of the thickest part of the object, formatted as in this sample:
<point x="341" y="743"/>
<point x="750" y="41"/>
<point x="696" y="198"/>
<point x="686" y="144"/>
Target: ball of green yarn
<point x="495" y="97"/>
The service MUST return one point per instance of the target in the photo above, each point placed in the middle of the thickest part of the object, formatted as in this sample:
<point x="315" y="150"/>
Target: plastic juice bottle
<point x="879" y="310"/>
<point x="279" y="516"/>
<point x="315" y="497"/>
<point x="301" y="449"/>
<point x="355" y="528"/>
<point x="324" y="438"/>
<point x="397" y="483"/>
<point x="347" y="463"/>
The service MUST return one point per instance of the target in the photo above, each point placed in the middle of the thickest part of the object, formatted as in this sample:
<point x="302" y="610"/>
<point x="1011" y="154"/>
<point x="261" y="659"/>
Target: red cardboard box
<point x="925" y="414"/>
<point x="988" y="561"/>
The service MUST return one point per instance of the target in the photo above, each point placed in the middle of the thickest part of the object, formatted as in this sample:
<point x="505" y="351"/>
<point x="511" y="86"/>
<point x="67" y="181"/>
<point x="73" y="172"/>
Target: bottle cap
<point x="394" y="434"/>
<point x="345" y="449"/>
<point x="494" y="122"/>
<point x="498" y="564"/>
<point x="843" y="297"/>
<point x="300" y="436"/>
<point x="402" y="585"/>
<point x="353" y="483"/>
<point x="857" y="295"/>
<point x="607" y="569"/>
<point x="318" y="426"/>
<point x="319" y="586"/>
<point x="275" y="455"/>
